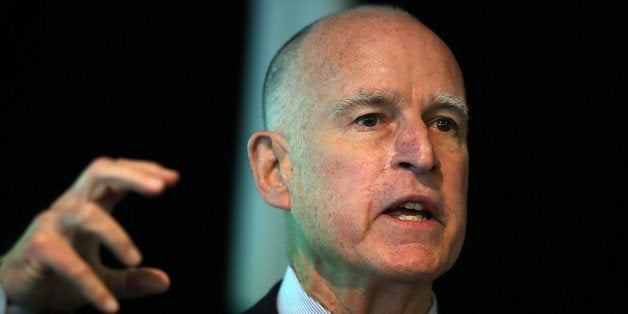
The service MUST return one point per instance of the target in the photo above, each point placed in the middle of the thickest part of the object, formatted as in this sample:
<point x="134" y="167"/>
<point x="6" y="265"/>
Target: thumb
<point x="137" y="282"/>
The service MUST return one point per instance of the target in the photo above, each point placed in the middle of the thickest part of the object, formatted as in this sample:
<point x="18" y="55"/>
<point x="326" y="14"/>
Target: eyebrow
<point x="450" y="100"/>
<point x="439" y="100"/>
<point x="366" y="98"/>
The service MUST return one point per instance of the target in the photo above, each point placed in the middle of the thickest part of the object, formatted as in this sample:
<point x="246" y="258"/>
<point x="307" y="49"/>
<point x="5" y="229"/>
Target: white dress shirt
<point x="293" y="299"/>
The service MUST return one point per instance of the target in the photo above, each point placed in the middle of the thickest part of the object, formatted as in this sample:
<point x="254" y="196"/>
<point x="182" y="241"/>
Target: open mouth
<point x="411" y="211"/>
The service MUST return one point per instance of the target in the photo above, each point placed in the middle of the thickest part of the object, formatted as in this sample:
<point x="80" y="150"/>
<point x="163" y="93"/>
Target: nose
<point x="414" y="149"/>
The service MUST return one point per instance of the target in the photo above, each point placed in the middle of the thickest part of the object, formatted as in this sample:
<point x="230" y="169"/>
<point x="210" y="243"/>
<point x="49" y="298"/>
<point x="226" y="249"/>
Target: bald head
<point x="317" y="59"/>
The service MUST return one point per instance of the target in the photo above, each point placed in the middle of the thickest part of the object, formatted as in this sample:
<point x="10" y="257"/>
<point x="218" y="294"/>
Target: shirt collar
<point x="293" y="299"/>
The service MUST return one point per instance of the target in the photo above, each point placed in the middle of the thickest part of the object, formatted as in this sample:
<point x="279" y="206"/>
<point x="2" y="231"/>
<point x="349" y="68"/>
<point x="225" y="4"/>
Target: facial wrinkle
<point x="364" y="97"/>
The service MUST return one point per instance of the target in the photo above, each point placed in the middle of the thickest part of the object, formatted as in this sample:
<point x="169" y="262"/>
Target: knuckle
<point x="45" y="218"/>
<point x="39" y="242"/>
<point x="84" y="213"/>
<point x="100" y="163"/>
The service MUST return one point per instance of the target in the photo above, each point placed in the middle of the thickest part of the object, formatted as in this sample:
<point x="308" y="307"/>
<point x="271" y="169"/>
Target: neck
<point x="360" y="292"/>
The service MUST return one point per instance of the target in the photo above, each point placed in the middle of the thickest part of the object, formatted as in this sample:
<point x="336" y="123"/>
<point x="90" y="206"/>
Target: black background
<point x="161" y="80"/>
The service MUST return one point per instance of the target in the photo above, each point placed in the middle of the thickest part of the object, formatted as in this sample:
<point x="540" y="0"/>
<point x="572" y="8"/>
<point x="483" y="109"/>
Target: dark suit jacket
<point x="267" y="304"/>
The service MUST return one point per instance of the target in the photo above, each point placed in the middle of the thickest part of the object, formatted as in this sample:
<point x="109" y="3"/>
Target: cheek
<point x="455" y="171"/>
<point x="344" y="177"/>
<point x="338" y="187"/>
<point x="455" y="189"/>
<point x="350" y="172"/>
<point x="457" y="179"/>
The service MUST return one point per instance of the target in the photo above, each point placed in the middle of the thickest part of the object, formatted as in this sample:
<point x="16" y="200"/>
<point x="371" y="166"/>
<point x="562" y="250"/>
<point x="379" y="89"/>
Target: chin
<point x="414" y="268"/>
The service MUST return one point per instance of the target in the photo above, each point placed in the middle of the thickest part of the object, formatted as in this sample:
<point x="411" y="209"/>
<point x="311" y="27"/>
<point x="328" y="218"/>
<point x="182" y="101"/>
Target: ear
<point x="271" y="166"/>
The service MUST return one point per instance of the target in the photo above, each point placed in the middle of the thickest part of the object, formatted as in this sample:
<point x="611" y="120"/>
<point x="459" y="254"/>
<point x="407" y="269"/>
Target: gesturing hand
<point x="56" y="264"/>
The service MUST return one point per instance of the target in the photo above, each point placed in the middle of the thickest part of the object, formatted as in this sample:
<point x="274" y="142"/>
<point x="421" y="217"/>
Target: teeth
<point x="411" y="217"/>
<point x="412" y="205"/>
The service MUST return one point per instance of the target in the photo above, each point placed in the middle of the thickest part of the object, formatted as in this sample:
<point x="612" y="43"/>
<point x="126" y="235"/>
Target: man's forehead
<point x="336" y="52"/>
<point x="354" y="28"/>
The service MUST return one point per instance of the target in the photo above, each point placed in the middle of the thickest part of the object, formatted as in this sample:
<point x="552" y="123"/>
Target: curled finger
<point x="103" y="228"/>
<point x="64" y="261"/>
<point x="105" y="175"/>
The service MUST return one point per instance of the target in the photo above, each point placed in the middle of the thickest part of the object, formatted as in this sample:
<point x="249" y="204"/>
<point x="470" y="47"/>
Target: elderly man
<point x="365" y="149"/>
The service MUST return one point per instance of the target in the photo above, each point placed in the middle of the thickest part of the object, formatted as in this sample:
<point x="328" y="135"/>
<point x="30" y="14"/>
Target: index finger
<point x="105" y="174"/>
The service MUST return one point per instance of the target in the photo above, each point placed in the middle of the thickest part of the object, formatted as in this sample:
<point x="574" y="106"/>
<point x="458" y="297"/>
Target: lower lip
<point x="429" y="223"/>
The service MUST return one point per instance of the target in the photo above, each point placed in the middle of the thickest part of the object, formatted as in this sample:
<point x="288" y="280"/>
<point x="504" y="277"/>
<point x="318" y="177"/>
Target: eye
<point x="445" y="124"/>
<point x="368" y="120"/>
